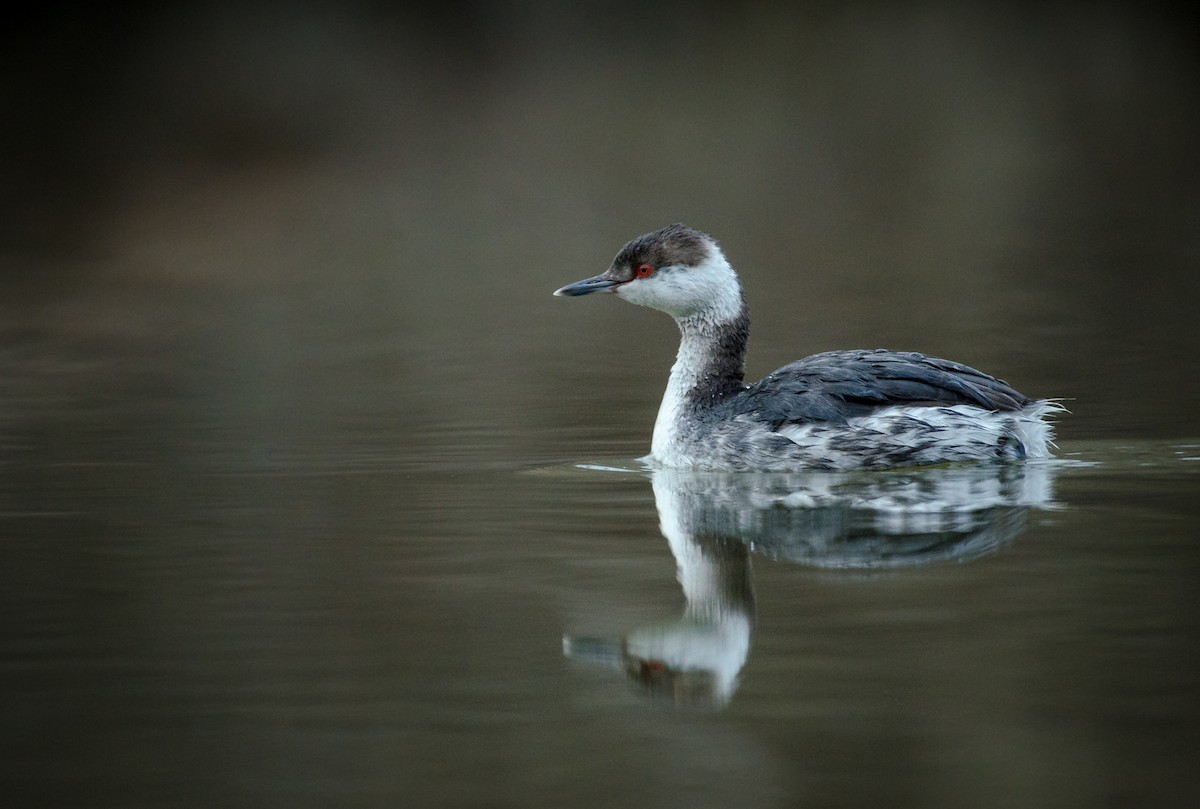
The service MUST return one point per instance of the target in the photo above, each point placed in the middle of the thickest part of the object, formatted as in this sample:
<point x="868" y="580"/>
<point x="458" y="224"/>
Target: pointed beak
<point x="600" y="283"/>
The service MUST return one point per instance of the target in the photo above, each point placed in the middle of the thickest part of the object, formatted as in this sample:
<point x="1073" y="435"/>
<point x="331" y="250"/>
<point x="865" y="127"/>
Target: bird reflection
<point x="713" y="521"/>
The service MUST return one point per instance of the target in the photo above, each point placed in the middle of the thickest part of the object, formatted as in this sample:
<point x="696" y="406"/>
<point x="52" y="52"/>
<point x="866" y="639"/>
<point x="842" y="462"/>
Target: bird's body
<point x="836" y="410"/>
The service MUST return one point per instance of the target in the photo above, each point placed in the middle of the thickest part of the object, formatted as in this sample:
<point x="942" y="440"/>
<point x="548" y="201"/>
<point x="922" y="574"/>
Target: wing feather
<point x="839" y="385"/>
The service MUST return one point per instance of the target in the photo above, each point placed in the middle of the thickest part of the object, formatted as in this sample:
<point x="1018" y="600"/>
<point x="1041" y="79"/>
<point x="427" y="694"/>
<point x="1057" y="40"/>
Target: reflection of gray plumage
<point x="837" y="410"/>
<point x="857" y="520"/>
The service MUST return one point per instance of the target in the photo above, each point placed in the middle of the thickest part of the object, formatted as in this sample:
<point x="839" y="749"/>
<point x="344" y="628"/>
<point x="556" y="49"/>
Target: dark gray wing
<point x="839" y="385"/>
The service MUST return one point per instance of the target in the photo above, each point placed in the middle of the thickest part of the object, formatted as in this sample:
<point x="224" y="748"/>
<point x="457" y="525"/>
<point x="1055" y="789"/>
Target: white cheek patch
<point x="709" y="290"/>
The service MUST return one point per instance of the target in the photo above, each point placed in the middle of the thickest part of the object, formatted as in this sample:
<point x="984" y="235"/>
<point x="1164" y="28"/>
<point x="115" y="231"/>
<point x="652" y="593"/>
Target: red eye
<point x="644" y="271"/>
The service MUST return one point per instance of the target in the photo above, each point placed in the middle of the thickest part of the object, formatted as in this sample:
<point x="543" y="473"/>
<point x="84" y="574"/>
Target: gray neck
<point x="709" y="368"/>
<point x="716" y="357"/>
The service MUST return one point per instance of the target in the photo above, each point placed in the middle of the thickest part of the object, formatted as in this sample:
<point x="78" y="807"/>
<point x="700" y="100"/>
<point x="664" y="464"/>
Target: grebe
<point x="836" y="410"/>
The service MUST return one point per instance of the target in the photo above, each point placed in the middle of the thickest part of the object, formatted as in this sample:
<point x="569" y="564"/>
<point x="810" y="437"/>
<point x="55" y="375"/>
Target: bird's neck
<point x="709" y="367"/>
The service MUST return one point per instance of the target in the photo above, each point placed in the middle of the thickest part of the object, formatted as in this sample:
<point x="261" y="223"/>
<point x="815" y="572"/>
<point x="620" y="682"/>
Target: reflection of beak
<point x="597" y="651"/>
<point x="587" y="286"/>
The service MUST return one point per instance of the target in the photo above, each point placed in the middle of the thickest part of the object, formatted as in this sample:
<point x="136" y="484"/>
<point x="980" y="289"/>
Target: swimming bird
<point x="868" y="409"/>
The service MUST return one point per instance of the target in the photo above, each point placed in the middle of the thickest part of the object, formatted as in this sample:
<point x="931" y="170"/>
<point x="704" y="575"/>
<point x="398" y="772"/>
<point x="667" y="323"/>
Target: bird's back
<point x="839" y="385"/>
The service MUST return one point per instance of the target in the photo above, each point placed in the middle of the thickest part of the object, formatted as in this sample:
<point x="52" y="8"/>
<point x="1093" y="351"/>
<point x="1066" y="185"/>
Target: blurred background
<point x="279" y="367"/>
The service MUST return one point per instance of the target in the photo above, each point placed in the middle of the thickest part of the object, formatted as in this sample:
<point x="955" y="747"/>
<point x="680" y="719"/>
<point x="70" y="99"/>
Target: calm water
<point x="312" y="495"/>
